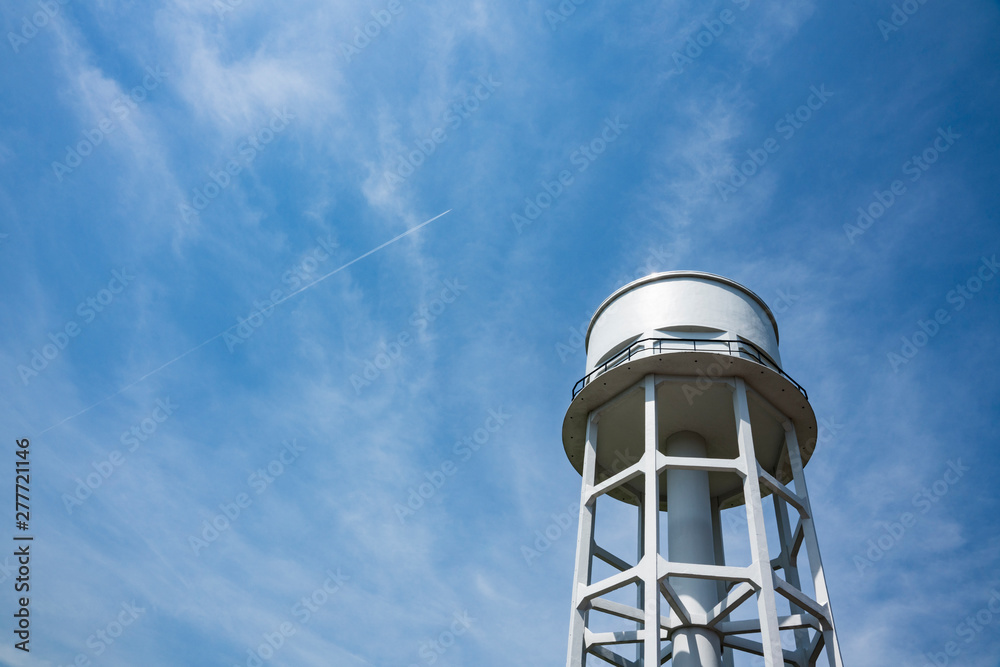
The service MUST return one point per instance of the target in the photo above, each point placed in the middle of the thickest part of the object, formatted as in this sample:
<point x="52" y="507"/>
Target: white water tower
<point x="686" y="414"/>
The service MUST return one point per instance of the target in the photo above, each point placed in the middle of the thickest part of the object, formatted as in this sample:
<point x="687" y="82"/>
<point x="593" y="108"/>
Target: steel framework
<point x="768" y="578"/>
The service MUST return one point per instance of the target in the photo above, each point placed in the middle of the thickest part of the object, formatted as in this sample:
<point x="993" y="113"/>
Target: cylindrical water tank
<point x="694" y="330"/>
<point x="680" y="304"/>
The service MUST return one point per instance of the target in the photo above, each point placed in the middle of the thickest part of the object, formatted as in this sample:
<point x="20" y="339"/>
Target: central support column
<point x="690" y="539"/>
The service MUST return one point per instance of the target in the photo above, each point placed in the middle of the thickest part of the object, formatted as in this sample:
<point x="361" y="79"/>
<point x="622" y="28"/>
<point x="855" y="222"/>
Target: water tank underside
<point x="688" y="401"/>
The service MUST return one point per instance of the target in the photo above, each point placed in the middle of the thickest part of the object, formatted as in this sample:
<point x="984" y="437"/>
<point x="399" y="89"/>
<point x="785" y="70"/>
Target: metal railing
<point x="737" y="348"/>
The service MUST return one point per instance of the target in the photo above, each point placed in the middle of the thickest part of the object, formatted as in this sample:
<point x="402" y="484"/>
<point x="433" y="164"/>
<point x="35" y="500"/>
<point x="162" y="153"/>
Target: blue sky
<point x="174" y="171"/>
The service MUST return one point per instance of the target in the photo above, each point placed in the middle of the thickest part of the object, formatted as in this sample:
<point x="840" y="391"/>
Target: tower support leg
<point x="767" y="609"/>
<point x="812" y="547"/>
<point x="650" y="532"/>
<point x="584" y="550"/>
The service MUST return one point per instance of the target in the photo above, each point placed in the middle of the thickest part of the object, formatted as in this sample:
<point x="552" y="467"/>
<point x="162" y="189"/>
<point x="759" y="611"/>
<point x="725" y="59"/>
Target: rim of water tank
<point x="664" y="275"/>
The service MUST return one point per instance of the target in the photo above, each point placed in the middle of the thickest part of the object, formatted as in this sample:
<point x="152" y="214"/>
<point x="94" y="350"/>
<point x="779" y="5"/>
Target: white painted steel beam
<point x="609" y="484"/>
<point x="702" y="571"/>
<point x="605" y="638"/>
<point x="699" y="463"/>
<point x="766" y="603"/>
<point x="751" y="626"/>
<point x="611" y="559"/>
<point x="801" y="600"/>
<point x="812" y="547"/>
<point x="790" y="570"/>
<point x="617" y="609"/>
<point x="584" y="548"/>
<point x="756" y="648"/>
<point x="612" y="583"/>
<point x="612" y="658"/>
<point x="782" y="491"/>
<point x="734" y="599"/>
<point x="650" y="530"/>
<point x="681" y="614"/>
